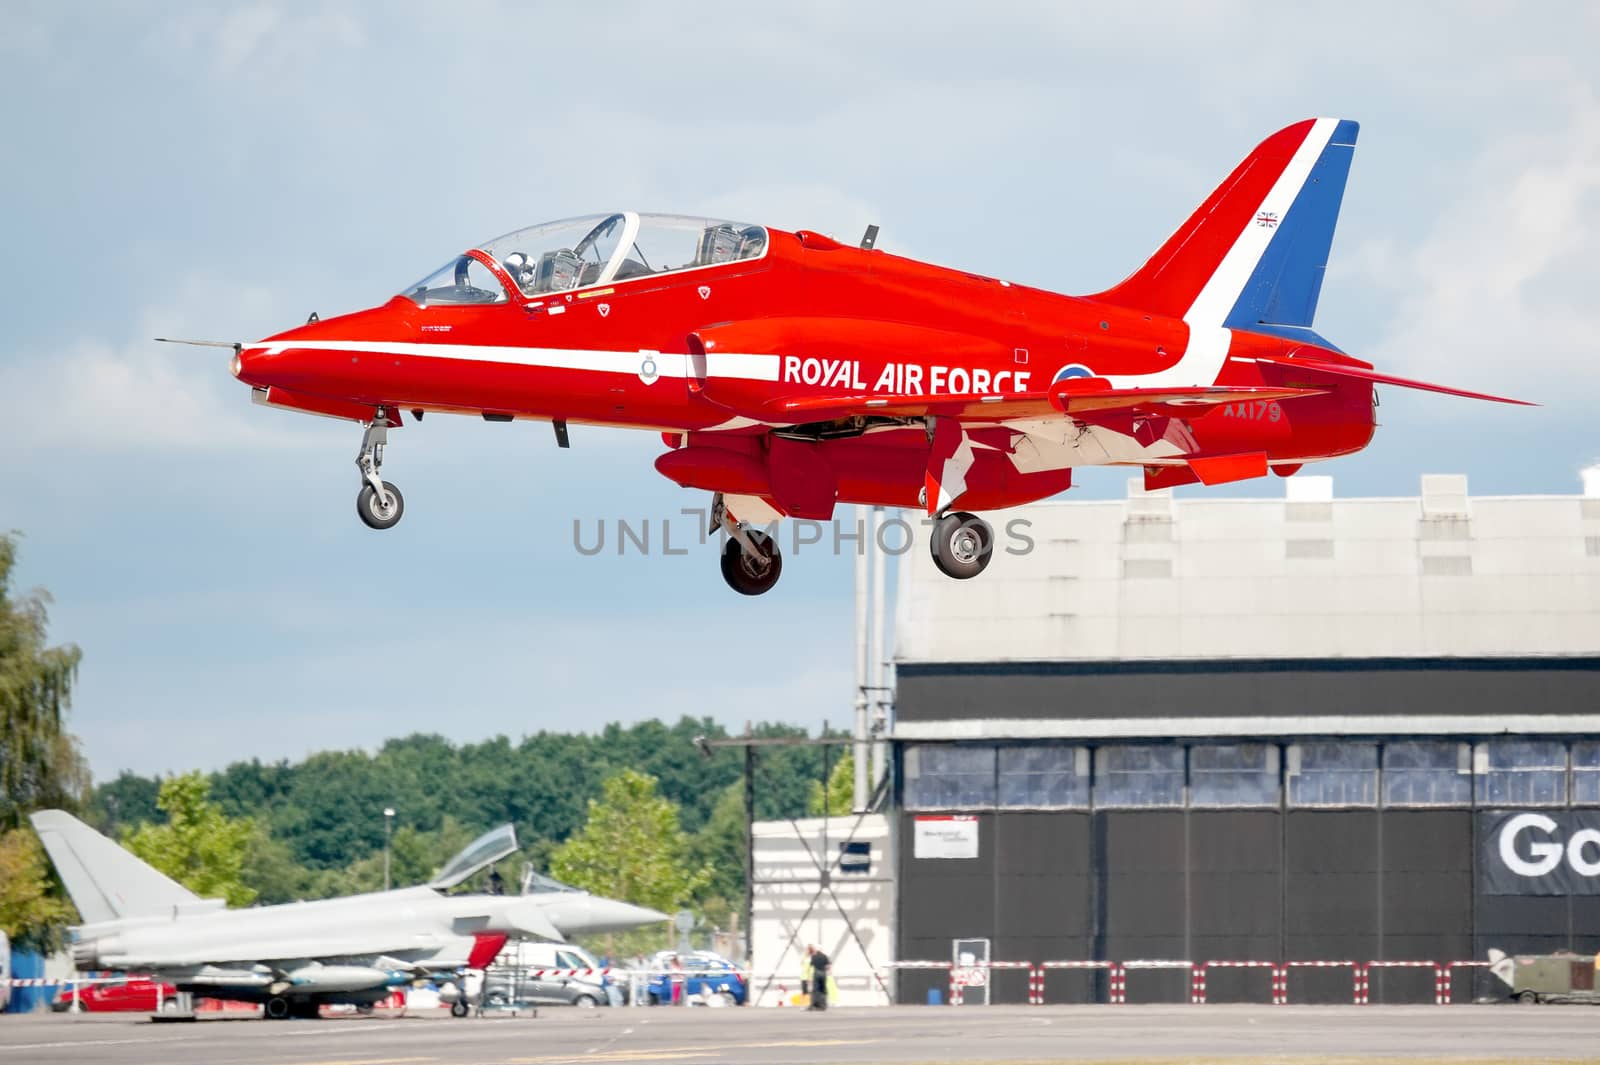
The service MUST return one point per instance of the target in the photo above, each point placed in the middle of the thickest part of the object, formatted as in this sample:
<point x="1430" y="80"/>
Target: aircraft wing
<point x="1063" y="399"/>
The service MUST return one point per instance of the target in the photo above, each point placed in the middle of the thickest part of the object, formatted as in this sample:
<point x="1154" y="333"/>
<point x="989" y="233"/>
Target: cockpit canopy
<point x="592" y="250"/>
<point x="479" y="854"/>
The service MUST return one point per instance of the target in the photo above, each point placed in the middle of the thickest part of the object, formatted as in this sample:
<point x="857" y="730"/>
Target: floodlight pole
<point x="388" y="831"/>
<point x="866" y="527"/>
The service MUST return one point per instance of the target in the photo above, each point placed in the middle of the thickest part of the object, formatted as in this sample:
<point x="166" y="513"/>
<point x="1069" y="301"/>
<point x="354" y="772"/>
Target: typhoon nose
<point x="612" y="915"/>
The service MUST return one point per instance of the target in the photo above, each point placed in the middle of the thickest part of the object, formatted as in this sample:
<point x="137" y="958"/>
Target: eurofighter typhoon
<point x="301" y="955"/>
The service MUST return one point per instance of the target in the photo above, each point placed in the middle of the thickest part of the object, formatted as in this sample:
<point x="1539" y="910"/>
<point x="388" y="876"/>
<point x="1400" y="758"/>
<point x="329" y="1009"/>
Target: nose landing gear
<point x="961" y="545"/>
<point x="751" y="562"/>
<point x="379" y="504"/>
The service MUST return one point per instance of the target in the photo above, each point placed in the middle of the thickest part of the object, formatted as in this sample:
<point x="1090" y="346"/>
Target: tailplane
<point x="105" y="881"/>
<point x="1253" y="255"/>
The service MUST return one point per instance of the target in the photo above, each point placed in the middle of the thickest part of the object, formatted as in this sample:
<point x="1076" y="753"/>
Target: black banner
<point x="1539" y="852"/>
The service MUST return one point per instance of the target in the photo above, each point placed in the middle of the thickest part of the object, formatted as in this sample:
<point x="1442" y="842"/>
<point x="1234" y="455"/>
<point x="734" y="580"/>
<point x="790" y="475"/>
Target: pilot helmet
<point x="520" y="269"/>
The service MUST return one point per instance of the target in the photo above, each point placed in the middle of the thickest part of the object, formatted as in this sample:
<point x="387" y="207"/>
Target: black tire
<point x="587" y="1002"/>
<point x="377" y="516"/>
<point x="746" y="575"/>
<point x="277" y="1008"/>
<point x="365" y="1008"/>
<point x="1527" y="998"/>
<point x="961" y="545"/>
<point x="458" y="1009"/>
<point x="169" y="1005"/>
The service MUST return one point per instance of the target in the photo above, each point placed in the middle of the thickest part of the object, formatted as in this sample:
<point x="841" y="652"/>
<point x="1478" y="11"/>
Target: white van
<point x="511" y="977"/>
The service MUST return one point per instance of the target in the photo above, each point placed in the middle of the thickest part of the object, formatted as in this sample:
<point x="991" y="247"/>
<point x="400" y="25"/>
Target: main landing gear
<point x="751" y="562"/>
<point x="380" y="503"/>
<point x="961" y="544"/>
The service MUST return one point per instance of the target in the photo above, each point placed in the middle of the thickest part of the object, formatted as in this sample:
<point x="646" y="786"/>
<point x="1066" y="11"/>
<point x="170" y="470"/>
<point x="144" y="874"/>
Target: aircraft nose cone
<point x="614" y="916"/>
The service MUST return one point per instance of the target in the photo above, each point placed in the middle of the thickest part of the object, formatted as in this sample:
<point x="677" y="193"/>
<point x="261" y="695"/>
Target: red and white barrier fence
<point x="1279" y="978"/>
<point x="976" y="975"/>
<point x="1358" y="976"/>
<point x="1118" y="979"/>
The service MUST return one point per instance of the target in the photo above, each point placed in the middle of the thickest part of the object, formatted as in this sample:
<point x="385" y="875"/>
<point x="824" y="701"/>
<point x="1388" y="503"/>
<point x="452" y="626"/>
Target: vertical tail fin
<point x="1254" y="252"/>
<point x="105" y="881"/>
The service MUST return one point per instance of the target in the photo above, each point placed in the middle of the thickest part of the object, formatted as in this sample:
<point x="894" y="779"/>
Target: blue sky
<point x="223" y="170"/>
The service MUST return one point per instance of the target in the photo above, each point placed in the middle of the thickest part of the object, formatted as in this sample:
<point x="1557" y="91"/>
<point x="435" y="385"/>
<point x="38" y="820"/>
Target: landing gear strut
<point x="961" y="545"/>
<point x="751" y="562"/>
<point x="380" y="503"/>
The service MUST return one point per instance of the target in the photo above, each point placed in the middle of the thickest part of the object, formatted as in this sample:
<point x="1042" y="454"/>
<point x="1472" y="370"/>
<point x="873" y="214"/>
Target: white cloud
<point x="98" y="394"/>
<point x="1499" y="294"/>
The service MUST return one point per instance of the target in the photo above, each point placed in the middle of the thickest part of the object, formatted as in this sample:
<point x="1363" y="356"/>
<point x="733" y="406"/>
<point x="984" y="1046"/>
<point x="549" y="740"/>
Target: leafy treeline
<point x="320" y="822"/>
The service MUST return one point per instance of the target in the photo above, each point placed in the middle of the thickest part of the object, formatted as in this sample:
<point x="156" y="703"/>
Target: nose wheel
<point x="752" y="569"/>
<point x="961" y="545"/>
<point x="379" y="504"/>
<point x="751" y="562"/>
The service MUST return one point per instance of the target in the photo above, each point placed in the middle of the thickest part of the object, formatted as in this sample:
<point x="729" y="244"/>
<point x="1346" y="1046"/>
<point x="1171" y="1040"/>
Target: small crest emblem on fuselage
<point x="705" y="292"/>
<point x="648" y="371"/>
<point x="603" y="308"/>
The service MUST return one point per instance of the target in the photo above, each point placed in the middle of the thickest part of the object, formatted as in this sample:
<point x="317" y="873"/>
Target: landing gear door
<point x="971" y="972"/>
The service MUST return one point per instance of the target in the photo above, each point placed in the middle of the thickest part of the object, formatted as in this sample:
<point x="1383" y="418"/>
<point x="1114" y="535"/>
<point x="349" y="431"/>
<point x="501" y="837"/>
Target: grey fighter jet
<point x="298" y="956"/>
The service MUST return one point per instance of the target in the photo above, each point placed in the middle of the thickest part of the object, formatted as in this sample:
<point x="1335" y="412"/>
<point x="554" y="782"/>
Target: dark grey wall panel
<point x="1248" y="688"/>
<point x="1144" y="884"/>
<point x="1336" y="885"/>
<point x="1331" y="893"/>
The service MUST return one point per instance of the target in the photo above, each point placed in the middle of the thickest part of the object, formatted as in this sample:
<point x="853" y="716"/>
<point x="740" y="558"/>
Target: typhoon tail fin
<point x="105" y="881"/>
<point x="1254" y="252"/>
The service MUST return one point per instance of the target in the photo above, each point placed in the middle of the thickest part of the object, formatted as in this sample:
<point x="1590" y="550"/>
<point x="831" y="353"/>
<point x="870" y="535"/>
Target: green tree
<point x="719" y="848"/>
<point x="632" y="848"/>
<point x="39" y="760"/>
<point x="31" y="913"/>
<point x="198" y="846"/>
<point x="841" y="789"/>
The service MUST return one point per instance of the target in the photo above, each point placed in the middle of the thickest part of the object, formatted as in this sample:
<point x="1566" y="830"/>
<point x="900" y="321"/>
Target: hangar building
<point x="1253" y="729"/>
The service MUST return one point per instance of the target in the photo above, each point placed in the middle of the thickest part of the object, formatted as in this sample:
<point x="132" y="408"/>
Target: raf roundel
<point x="1074" y="370"/>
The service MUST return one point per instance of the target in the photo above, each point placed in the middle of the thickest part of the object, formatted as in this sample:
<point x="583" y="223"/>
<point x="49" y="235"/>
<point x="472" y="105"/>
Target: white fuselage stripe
<point x="1209" y="340"/>
<point x="721" y="364"/>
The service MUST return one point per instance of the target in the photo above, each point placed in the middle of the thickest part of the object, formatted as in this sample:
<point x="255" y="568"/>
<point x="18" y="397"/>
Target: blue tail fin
<point x="1283" y="288"/>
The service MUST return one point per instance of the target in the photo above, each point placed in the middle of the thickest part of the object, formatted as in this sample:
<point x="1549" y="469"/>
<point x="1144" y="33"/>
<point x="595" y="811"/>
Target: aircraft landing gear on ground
<point x="380" y="503"/>
<point x="751" y="562"/>
<point x="282" y="1007"/>
<point x="961" y="545"/>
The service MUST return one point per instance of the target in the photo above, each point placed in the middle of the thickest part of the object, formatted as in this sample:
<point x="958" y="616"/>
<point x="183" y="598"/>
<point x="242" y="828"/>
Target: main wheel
<point x="380" y="513"/>
<point x="277" y="1008"/>
<point x="747" y="575"/>
<point x="961" y="545"/>
<point x="459" y="1008"/>
<point x="1527" y="998"/>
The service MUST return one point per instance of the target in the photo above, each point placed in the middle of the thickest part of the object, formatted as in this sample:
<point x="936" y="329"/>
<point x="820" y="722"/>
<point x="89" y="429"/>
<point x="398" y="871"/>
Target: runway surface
<point x="915" y="1034"/>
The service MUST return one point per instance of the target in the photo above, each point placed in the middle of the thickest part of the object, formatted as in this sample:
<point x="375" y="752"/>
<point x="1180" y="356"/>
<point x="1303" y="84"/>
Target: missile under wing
<point x="297" y="956"/>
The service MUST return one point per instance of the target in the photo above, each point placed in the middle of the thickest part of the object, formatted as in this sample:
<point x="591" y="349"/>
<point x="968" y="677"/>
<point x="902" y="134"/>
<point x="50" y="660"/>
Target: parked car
<point x="510" y="979"/>
<point x="707" y="978"/>
<point x="138" y="994"/>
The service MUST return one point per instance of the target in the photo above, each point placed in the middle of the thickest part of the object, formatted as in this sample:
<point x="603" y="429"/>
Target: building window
<point x="1044" y="776"/>
<point x="1521" y="773"/>
<point x="1586" y="772"/>
<point x="1333" y="774"/>
<point x="1427" y="773"/>
<point x="942" y="777"/>
<point x="1143" y="775"/>
<point x="1234" y="774"/>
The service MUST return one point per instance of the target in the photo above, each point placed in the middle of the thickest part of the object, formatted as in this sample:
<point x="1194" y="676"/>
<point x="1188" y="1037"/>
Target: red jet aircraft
<point x="788" y="373"/>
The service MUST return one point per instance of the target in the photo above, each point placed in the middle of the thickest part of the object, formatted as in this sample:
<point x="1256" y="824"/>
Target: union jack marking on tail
<point x="1268" y="219"/>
